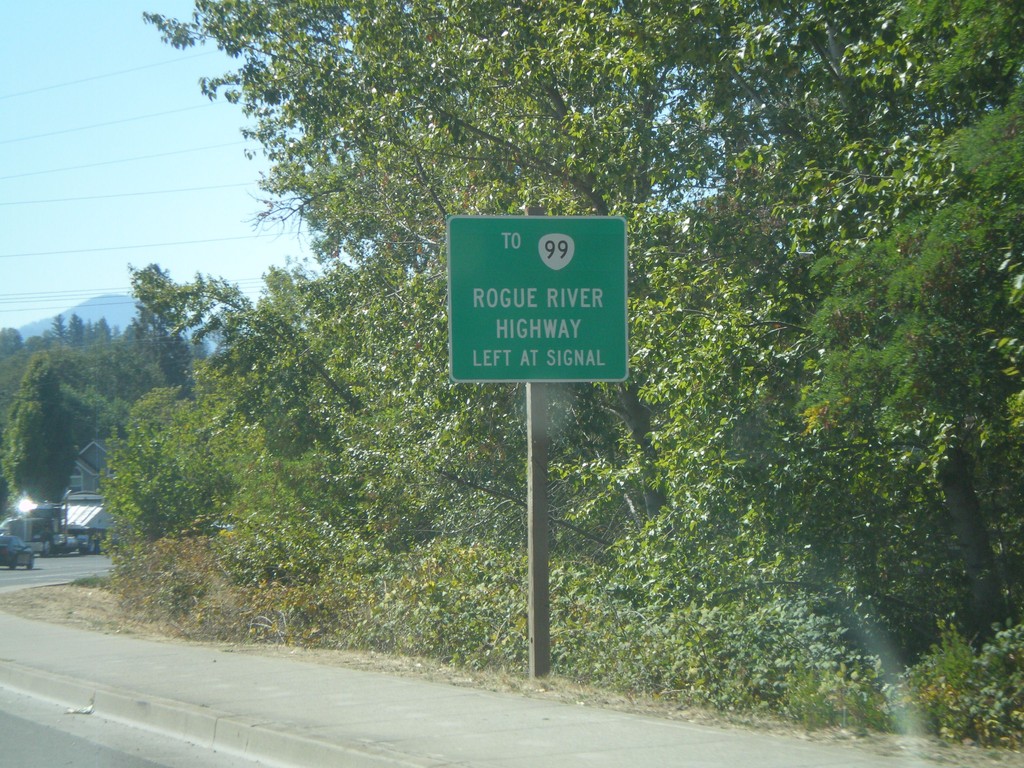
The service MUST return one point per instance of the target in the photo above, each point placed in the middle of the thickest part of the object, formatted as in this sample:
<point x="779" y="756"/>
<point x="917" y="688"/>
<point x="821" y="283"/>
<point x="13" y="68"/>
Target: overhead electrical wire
<point x="122" y="160"/>
<point x="70" y="294"/>
<point x="104" y="76"/>
<point x="120" y="296"/>
<point x="130" y="247"/>
<point x="85" y="293"/>
<point x="108" y="123"/>
<point x="59" y="305"/>
<point x="125" y="194"/>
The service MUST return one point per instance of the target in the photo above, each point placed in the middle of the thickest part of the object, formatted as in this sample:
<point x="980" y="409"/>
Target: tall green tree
<point x="59" y="330"/>
<point x="484" y="108"/>
<point x="39" y="451"/>
<point x="156" y="342"/>
<point x="910" y="331"/>
<point x="849" y="267"/>
<point x="10" y="342"/>
<point x="76" y="331"/>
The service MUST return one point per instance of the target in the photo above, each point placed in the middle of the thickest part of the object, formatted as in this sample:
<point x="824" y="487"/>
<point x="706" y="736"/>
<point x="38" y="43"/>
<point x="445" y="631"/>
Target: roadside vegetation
<point x="807" y="499"/>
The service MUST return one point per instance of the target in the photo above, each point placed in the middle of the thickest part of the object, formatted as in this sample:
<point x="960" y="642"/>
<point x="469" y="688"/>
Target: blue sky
<point x="110" y="156"/>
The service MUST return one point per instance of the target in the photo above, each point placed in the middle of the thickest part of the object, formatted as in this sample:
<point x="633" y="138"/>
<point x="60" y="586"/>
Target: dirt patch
<point x="96" y="609"/>
<point x="83" y="607"/>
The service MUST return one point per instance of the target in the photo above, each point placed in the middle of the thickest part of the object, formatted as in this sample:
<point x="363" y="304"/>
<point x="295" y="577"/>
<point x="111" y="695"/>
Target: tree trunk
<point x="637" y="418"/>
<point x="961" y="500"/>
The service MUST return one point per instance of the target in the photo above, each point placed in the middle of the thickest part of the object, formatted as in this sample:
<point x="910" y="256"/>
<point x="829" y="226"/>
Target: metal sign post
<point x="539" y="611"/>
<point x="538" y="438"/>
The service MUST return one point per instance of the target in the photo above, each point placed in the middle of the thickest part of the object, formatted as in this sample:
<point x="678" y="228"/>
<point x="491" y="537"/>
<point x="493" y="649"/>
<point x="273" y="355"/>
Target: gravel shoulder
<point x="98" y="610"/>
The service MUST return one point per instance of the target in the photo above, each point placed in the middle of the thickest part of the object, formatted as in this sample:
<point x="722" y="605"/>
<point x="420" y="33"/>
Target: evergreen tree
<point x="76" y="332"/>
<point x="59" y="330"/>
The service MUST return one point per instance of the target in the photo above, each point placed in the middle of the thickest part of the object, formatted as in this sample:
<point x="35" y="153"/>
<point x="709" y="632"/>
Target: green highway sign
<point x="537" y="298"/>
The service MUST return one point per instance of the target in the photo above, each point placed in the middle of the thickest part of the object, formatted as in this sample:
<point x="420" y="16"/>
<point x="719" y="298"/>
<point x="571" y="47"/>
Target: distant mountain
<point x="119" y="311"/>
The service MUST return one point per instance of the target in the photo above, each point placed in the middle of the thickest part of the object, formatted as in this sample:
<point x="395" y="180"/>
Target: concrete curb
<point x="206" y="727"/>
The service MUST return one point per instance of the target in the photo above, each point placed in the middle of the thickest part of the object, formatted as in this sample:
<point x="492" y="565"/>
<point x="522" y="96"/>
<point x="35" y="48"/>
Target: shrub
<point x="259" y="552"/>
<point x="169" y="580"/>
<point x="777" y="657"/>
<point x="968" y="695"/>
<point x="460" y="604"/>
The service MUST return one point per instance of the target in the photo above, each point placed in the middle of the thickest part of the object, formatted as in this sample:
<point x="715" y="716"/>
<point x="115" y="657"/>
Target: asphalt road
<point x="35" y="733"/>
<point x="54" y="570"/>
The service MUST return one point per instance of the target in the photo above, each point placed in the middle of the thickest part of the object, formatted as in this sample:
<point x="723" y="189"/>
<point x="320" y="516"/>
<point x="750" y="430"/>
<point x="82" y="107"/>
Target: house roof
<point x="92" y="458"/>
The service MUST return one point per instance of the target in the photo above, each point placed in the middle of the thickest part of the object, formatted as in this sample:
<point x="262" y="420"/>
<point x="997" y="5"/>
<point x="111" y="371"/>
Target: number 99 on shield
<point x="556" y="250"/>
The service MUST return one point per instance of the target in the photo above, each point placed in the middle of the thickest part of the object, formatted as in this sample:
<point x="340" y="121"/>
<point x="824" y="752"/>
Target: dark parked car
<point x="15" y="552"/>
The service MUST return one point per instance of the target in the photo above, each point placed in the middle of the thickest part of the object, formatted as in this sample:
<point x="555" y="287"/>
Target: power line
<point x="123" y="298"/>
<point x="104" y="76"/>
<point x="63" y="305"/>
<point x="7" y="298"/>
<point x="109" y="122"/>
<point x="122" y="160"/>
<point x="128" y="247"/>
<point x="59" y="300"/>
<point x="90" y="292"/>
<point x="125" y="194"/>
